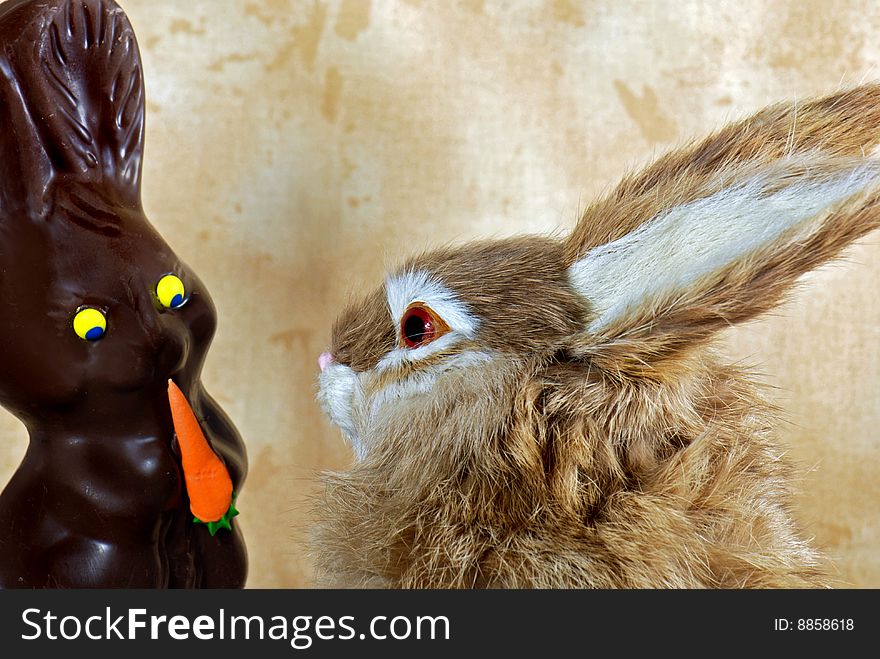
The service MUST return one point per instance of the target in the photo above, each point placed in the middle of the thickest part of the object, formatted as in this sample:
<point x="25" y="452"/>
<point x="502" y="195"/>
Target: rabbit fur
<point x="571" y="423"/>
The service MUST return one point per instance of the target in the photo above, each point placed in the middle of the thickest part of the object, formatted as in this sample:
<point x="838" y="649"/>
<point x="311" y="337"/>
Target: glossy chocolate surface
<point x="99" y="499"/>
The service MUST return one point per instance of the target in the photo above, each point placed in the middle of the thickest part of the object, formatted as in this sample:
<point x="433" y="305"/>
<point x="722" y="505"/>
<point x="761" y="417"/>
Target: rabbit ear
<point x="72" y="88"/>
<point x="718" y="232"/>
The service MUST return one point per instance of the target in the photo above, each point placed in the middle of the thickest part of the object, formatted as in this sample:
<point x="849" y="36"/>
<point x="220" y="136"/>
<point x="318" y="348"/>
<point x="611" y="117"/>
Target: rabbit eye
<point x="420" y="325"/>
<point x="89" y="323"/>
<point x="171" y="292"/>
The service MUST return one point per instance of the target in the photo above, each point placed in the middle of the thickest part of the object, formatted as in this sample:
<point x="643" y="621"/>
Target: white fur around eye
<point x="689" y="241"/>
<point x="424" y="380"/>
<point x="402" y="290"/>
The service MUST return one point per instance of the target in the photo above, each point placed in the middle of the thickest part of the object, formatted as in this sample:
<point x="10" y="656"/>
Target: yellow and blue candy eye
<point x="89" y="323"/>
<point x="171" y="292"/>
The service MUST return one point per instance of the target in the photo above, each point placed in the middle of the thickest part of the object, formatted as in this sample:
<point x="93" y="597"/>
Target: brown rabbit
<point x="540" y="413"/>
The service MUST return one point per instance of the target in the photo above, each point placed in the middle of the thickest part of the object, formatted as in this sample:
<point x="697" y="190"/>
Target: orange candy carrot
<point x="207" y="481"/>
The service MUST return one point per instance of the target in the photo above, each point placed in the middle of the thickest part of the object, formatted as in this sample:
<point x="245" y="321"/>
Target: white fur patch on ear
<point x="403" y="289"/>
<point x="686" y="242"/>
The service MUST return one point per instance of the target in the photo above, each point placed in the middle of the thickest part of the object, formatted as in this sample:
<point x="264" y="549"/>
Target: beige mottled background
<point x="296" y="147"/>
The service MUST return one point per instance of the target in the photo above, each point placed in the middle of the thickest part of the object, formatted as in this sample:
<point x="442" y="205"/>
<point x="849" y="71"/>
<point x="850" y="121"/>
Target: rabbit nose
<point x="325" y="360"/>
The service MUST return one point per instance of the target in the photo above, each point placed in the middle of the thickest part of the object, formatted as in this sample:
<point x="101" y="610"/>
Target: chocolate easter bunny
<point x="534" y="412"/>
<point x="104" y="332"/>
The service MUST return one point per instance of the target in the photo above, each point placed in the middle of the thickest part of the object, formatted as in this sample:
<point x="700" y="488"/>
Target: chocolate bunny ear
<point x="72" y="98"/>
